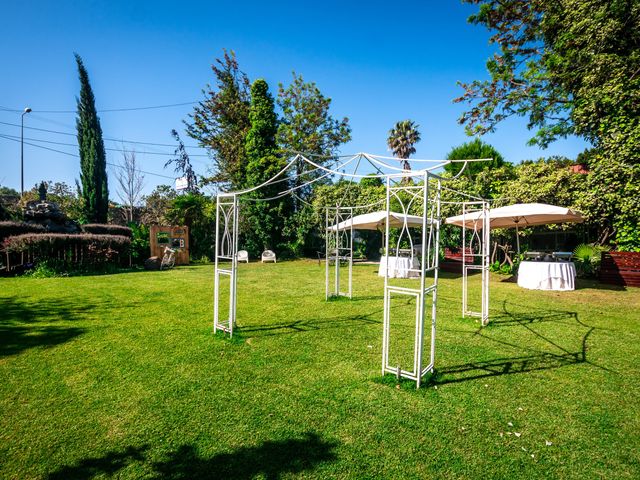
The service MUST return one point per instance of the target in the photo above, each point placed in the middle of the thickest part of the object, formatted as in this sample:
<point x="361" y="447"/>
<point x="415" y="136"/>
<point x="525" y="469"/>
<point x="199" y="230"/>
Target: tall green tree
<point x="402" y="138"/>
<point x="220" y="122"/>
<point x="264" y="220"/>
<point x="470" y="150"/>
<point x="569" y="67"/>
<point x="93" y="162"/>
<point x="307" y="126"/>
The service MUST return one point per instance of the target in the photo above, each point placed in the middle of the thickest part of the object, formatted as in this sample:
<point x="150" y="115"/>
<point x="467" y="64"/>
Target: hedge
<point x="82" y="249"/>
<point x="105" y="229"/>
<point x="9" y="229"/>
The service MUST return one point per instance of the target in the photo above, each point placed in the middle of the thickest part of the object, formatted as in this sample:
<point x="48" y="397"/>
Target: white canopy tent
<point x="519" y="214"/>
<point x="377" y="220"/>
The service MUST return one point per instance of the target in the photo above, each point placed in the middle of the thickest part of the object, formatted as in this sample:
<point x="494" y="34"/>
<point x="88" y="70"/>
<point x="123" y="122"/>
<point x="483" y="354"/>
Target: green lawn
<point x="120" y="376"/>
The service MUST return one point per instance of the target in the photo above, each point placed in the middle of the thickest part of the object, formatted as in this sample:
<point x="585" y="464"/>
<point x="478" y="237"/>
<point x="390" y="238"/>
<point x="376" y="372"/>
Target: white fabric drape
<point x="547" y="275"/>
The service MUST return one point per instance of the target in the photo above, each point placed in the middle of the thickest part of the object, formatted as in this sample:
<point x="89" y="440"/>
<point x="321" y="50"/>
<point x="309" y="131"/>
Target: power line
<point x="77" y="156"/>
<point x="105" y="110"/>
<point x="106" y="148"/>
<point x="105" y="138"/>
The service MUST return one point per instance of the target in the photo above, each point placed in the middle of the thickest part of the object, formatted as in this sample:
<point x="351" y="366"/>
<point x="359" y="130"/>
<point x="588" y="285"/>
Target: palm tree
<point x="402" y="138"/>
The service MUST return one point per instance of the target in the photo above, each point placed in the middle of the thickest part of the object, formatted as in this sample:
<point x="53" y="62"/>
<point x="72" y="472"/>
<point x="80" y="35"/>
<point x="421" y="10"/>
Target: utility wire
<point x="105" y="138"/>
<point x="78" y="156"/>
<point x="104" y="110"/>
<point x="106" y="148"/>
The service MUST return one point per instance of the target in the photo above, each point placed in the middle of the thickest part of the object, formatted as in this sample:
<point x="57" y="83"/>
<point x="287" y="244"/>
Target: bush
<point x="587" y="259"/>
<point x="10" y="229"/>
<point x="83" y="249"/>
<point x="140" y="248"/>
<point x="106" y="229"/>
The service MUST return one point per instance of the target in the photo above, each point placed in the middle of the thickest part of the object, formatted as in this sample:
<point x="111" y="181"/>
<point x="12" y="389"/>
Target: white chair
<point x="243" y="256"/>
<point x="268" y="256"/>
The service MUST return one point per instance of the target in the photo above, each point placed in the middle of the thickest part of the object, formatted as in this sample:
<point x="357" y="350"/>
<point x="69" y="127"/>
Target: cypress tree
<point x="265" y="220"/>
<point x="93" y="162"/>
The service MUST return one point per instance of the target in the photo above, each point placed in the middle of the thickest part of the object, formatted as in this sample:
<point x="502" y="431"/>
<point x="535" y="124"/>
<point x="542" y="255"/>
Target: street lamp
<point x="26" y="110"/>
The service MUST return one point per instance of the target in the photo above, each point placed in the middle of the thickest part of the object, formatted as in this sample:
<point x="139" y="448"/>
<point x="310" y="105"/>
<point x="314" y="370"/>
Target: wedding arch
<point x="412" y="200"/>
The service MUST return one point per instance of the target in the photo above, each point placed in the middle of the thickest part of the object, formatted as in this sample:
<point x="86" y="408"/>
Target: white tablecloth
<point x="399" y="267"/>
<point x="547" y="275"/>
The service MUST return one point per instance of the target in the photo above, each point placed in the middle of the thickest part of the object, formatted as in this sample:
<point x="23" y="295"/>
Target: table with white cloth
<point x="399" y="267"/>
<point x="547" y="275"/>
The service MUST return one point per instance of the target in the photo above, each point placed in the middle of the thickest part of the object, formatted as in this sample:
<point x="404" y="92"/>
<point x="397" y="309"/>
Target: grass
<point x="120" y="376"/>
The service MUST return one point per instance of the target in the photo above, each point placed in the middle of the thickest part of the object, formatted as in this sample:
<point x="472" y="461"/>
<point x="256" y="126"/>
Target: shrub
<point x="9" y="229"/>
<point x="587" y="259"/>
<point x="106" y="229"/>
<point x="83" y="249"/>
<point x="140" y="249"/>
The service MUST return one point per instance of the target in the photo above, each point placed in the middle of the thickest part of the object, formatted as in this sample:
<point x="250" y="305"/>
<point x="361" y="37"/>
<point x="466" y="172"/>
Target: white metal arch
<point x="403" y="190"/>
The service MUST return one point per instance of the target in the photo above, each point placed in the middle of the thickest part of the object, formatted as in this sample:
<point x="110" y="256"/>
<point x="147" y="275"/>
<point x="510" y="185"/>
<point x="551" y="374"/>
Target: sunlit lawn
<point x="120" y="376"/>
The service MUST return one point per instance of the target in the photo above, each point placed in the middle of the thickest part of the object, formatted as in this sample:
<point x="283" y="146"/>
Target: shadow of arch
<point x="531" y="359"/>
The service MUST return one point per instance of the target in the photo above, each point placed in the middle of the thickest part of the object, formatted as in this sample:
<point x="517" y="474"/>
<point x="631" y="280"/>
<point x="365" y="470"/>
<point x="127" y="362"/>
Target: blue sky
<point x="380" y="62"/>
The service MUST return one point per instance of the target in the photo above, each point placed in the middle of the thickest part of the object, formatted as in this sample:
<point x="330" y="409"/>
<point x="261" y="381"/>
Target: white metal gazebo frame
<point x="338" y="248"/>
<point x="400" y="188"/>
<point x="475" y="257"/>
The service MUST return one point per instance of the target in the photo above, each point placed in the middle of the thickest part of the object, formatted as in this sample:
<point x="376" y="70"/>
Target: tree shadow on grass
<point x="532" y="359"/>
<point x="25" y="325"/>
<point x="270" y="460"/>
<point x="108" y="464"/>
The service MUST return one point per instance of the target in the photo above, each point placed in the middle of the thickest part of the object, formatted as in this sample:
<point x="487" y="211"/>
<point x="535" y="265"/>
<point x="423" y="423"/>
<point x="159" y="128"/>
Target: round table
<point x="399" y="267"/>
<point x="547" y="275"/>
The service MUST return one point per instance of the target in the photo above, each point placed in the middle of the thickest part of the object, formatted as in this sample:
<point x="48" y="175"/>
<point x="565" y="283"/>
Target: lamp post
<point x="26" y="110"/>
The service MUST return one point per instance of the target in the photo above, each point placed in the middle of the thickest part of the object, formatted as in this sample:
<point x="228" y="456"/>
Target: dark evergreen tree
<point x="93" y="162"/>
<point x="264" y="221"/>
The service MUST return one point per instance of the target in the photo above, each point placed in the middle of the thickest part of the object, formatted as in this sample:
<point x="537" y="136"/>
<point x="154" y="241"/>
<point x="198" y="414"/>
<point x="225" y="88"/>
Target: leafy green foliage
<point x="306" y="126"/>
<point x="49" y="268"/>
<point x="401" y="140"/>
<point x="587" y="259"/>
<point x="570" y="67"/>
<point x="371" y="181"/>
<point x="263" y="221"/>
<point x="140" y="244"/>
<point x="612" y="198"/>
<point x="157" y="205"/>
<point x="221" y="121"/>
<point x="197" y="212"/>
<point x="93" y="166"/>
<point x="504" y="269"/>
<point x="547" y="181"/>
<point x="473" y="150"/>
